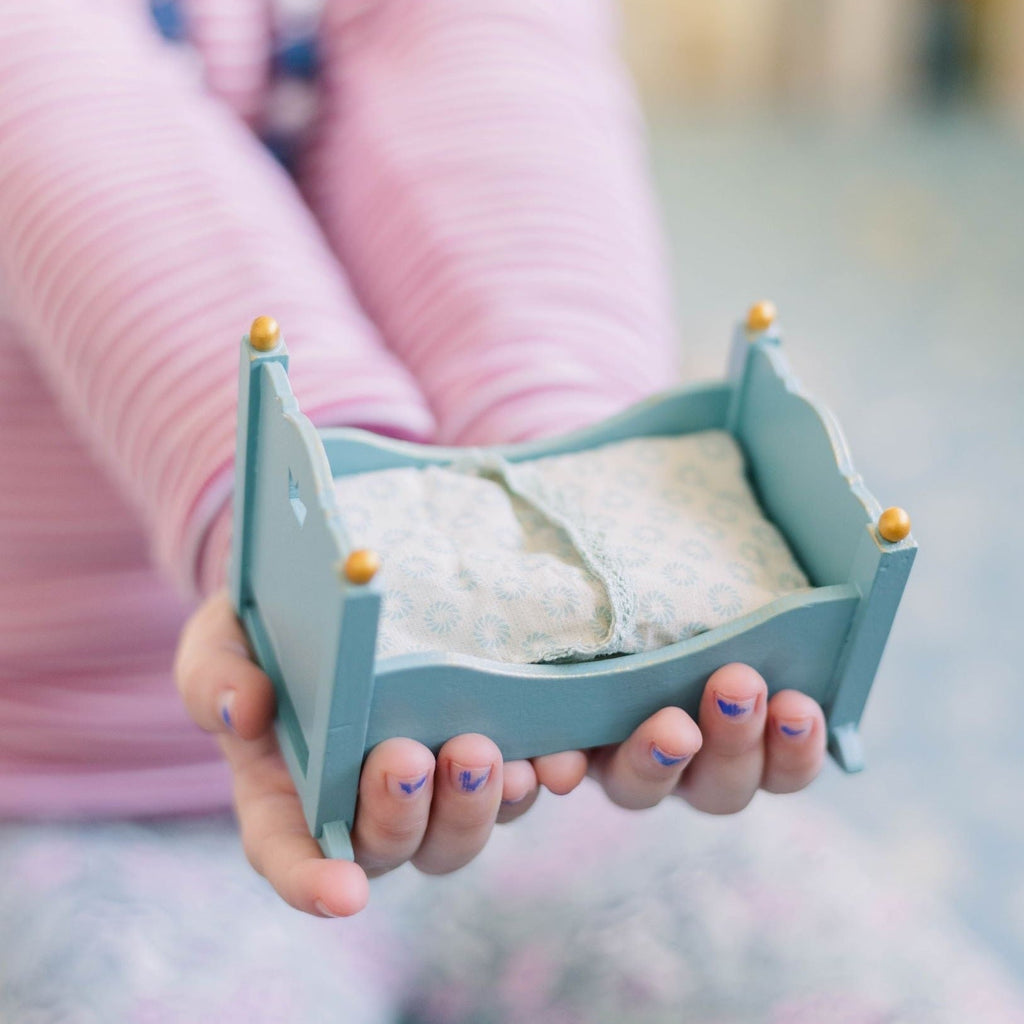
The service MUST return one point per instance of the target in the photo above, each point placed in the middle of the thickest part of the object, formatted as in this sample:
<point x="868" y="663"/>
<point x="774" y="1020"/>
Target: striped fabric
<point x="477" y="168"/>
<point x="473" y="167"/>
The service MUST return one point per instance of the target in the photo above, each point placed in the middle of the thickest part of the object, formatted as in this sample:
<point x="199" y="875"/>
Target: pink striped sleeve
<point x="142" y="227"/>
<point x="234" y="39"/>
<point x="480" y="168"/>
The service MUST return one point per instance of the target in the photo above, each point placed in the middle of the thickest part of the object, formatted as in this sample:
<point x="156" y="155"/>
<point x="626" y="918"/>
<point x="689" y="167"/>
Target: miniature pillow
<point x="618" y="549"/>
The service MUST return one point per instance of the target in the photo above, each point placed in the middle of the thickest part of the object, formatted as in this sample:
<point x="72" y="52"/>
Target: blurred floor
<point x="896" y="256"/>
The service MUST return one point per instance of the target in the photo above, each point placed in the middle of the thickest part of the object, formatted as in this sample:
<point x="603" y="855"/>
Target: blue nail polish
<point x="793" y="730"/>
<point x="225" y="710"/>
<point x="413" y="787"/>
<point x="735" y="708"/>
<point x="470" y="783"/>
<point x="409" y="786"/>
<point x="667" y="760"/>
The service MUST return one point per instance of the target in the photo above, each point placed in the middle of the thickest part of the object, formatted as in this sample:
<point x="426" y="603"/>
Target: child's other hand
<point x="744" y="742"/>
<point x="439" y="814"/>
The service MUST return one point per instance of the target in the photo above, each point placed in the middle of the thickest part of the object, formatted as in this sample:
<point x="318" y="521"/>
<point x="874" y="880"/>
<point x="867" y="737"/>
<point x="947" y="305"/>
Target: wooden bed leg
<point x="335" y="841"/>
<point x="845" y="746"/>
<point x="338" y="738"/>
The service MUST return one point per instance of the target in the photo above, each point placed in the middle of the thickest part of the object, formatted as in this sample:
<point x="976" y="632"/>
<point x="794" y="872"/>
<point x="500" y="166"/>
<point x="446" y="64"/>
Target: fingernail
<point x="469" y="780"/>
<point x="406" y="787"/>
<point x="667" y="760"/>
<point x="794" y="727"/>
<point x="735" y="708"/>
<point x="227" y="706"/>
<point x="321" y="908"/>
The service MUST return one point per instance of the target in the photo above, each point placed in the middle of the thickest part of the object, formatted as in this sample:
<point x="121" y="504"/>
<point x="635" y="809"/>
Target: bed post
<point x="880" y="570"/>
<point x="348" y="709"/>
<point x="759" y="324"/>
<point x="262" y="345"/>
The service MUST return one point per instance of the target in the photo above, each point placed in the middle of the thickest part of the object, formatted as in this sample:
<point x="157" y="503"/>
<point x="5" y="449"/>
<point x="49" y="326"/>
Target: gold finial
<point x="361" y="566"/>
<point x="893" y="525"/>
<point x="761" y="316"/>
<point x="264" y="333"/>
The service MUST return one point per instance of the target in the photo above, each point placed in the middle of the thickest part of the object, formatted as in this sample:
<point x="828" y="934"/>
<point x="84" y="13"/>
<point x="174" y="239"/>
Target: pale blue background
<point x="896" y="256"/>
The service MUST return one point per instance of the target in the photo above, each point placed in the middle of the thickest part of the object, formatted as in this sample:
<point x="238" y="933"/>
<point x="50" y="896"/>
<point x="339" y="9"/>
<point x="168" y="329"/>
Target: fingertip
<point x="796" y="739"/>
<point x="519" y="780"/>
<point x="648" y="765"/>
<point x="561" y="773"/>
<point x="796" y="719"/>
<point x="248" y="710"/>
<point x="672" y="730"/>
<point x="520" y="790"/>
<point x="659" y="753"/>
<point x="471" y="748"/>
<point x="223" y="690"/>
<point x="736" y="677"/>
<point x="338" y="888"/>
<point x="794" y="704"/>
<point x="732" y="707"/>
<point x="470" y="763"/>
<point x="399" y="758"/>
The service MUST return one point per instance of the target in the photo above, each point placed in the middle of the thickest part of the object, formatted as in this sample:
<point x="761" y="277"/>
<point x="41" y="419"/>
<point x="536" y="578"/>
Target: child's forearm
<point x="481" y="170"/>
<point x="141" y="228"/>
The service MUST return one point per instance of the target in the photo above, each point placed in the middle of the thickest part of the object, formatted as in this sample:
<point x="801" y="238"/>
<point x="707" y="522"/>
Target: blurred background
<point x="861" y="163"/>
<point x="839" y="57"/>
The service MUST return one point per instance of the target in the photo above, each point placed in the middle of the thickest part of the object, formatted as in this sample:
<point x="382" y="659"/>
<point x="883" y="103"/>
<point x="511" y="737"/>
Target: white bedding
<point x="619" y="549"/>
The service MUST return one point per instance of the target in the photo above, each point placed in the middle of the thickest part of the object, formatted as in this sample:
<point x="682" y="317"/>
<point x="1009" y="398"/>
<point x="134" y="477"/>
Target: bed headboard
<point x="799" y="463"/>
<point x="291" y="562"/>
<point x="804" y="477"/>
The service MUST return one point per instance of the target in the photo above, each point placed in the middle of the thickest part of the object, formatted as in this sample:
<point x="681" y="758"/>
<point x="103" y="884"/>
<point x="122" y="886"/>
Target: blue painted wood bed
<point x="310" y="605"/>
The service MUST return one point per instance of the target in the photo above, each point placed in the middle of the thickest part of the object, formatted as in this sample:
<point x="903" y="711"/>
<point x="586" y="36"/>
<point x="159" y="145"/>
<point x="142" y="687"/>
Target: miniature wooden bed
<point x="310" y="604"/>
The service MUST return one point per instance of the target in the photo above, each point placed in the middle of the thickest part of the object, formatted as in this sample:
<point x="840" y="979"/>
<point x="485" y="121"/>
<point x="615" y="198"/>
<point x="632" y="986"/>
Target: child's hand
<point x="744" y="742"/>
<point x="439" y="815"/>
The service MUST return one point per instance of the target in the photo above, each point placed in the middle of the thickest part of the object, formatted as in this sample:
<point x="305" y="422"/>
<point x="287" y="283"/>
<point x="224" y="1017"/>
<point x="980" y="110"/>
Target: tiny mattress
<point x="619" y="549"/>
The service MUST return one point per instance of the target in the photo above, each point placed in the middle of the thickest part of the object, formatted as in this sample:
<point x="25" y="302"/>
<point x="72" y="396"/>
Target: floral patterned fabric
<point x="623" y="548"/>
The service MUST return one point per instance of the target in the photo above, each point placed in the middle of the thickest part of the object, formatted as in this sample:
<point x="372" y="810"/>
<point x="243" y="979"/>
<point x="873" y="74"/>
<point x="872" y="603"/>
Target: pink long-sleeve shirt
<point x="467" y="253"/>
